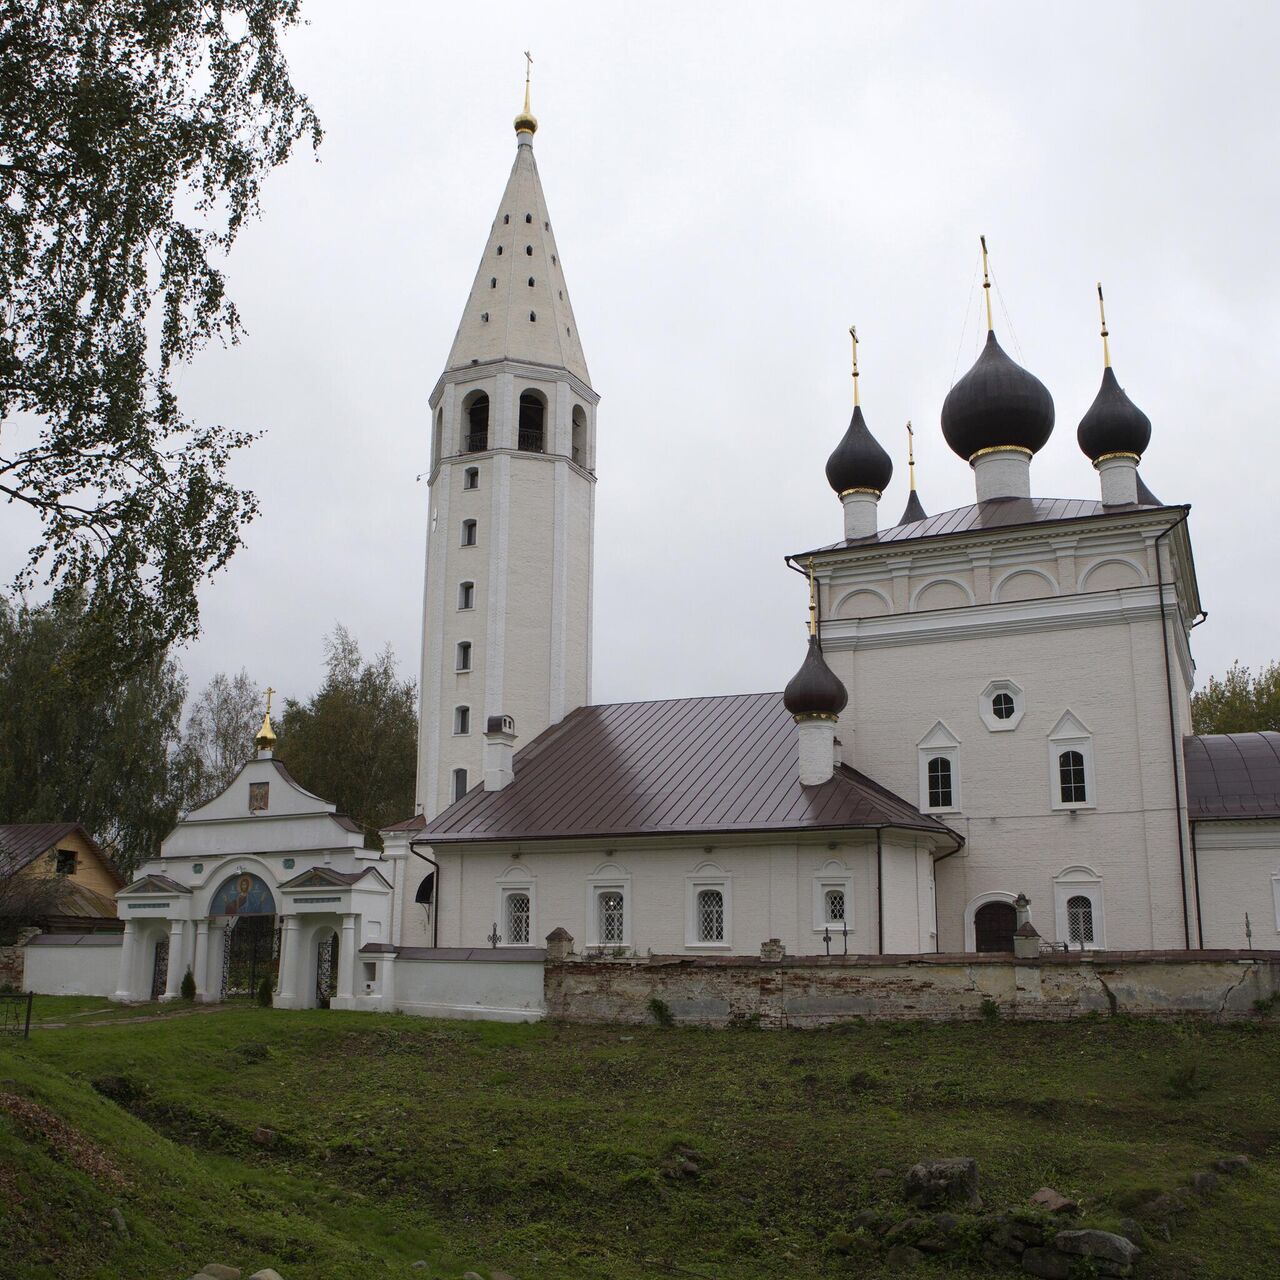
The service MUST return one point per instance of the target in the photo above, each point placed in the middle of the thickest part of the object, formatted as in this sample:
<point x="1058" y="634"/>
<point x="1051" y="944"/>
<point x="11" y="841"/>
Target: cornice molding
<point x="487" y="369"/>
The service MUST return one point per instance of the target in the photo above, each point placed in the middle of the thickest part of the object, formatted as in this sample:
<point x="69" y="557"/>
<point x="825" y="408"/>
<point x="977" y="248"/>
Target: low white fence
<point x="72" y="964"/>
<point x="503" y="985"/>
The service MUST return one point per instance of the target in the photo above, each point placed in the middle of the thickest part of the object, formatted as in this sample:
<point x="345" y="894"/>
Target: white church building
<point x="991" y="722"/>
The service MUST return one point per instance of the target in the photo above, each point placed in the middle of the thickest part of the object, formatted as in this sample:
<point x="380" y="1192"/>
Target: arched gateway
<point x="250" y="934"/>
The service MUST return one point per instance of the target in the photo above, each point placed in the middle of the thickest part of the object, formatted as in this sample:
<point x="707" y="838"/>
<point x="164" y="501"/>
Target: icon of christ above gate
<point x="243" y="895"/>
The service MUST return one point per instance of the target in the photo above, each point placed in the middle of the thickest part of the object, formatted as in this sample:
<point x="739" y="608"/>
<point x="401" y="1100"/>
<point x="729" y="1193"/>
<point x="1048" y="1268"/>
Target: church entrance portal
<point x="251" y="938"/>
<point x="993" y="926"/>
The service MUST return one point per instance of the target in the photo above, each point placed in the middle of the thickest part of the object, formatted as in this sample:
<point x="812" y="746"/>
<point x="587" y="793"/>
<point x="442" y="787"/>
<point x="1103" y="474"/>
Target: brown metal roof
<point x="996" y="513"/>
<point x="1232" y="775"/>
<point x="21" y="843"/>
<point x="699" y="765"/>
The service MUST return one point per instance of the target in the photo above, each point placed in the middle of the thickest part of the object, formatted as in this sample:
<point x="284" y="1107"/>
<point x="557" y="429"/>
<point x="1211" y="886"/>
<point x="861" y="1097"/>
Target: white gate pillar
<point x="347" y="961"/>
<point x="128" y="963"/>
<point x="288" y="985"/>
<point x="200" y="969"/>
<point x="177" y="960"/>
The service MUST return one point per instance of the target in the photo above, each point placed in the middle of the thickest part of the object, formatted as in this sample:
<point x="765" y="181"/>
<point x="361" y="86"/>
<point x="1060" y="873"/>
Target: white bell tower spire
<point x="507" y="608"/>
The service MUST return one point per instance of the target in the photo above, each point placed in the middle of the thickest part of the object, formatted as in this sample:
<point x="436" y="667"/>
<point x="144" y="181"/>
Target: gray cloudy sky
<point x="732" y="185"/>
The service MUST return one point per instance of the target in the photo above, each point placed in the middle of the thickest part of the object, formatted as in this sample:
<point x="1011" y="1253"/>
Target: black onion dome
<point x="997" y="404"/>
<point x="913" y="510"/>
<point x="858" y="461"/>
<point x="1114" y="424"/>
<point x="815" y="690"/>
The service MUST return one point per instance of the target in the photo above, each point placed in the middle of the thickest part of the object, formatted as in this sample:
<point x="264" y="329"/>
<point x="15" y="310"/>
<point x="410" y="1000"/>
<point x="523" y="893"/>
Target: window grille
<point x="940" y="783"/>
<point x="1071" y="777"/>
<point x="518" y="919"/>
<point x="834" y="900"/>
<point x="710" y="915"/>
<point x="1002" y="706"/>
<point x="1080" y="920"/>
<point x="610" y="921"/>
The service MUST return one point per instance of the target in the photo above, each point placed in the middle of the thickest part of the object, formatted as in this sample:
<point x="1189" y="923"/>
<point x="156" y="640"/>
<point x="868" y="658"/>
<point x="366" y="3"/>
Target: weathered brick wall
<point x="807" y="991"/>
<point x="12" y="966"/>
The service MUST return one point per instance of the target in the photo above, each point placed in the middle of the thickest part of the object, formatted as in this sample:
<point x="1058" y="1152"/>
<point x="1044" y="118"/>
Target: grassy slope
<point x="542" y="1149"/>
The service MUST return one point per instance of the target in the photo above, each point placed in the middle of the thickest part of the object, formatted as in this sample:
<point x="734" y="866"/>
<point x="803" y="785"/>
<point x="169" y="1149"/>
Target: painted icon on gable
<point x="243" y="895"/>
<point x="258" y="797"/>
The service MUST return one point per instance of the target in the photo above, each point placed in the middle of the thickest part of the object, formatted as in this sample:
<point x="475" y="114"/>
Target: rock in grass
<point x="267" y="1273"/>
<point x="216" y="1271"/>
<point x="1052" y="1201"/>
<point x="1231" y="1164"/>
<point x="264" y="1137"/>
<point x="1049" y="1264"/>
<point x="1103" y="1245"/>
<point x="943" y="1184"/>
<point x="119" y="1225"/>
<point x="1204" y="1183"/>
<point x="1131" y="1229"/>
<point x="904" y="1257"/>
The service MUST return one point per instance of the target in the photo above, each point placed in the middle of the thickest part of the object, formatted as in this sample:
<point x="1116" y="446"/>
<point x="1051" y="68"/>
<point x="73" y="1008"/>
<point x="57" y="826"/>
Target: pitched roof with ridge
<point x="21" y="843"/>
<point x="1232" y="775"/>
<point x="684" y="765"/>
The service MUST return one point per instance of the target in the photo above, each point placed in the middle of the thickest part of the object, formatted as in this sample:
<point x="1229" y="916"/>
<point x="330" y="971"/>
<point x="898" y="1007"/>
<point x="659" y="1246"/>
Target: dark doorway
<point x="993" y="926"/>
<point x="326" y="969"/>
<point x="160" y="969"/>
<point x="250" y="956"/>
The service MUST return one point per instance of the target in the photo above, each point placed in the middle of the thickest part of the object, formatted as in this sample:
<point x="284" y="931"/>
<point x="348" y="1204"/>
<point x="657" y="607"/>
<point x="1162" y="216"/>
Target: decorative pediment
<point x="938" y="736"/>
<point x="153" y="884"/>
<point x="1069" y="727"/>
<point x="318" y="878"/>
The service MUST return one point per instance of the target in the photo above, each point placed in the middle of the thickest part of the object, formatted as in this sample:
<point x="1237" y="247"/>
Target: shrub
<point x="661" y="1011"/>
<point x="1266" y="1004"/>
<point x="1187" y="1079"/>
<point x="264" y="993"/>
<point x="988" y="1010"/>
<point x="188" y="987"/>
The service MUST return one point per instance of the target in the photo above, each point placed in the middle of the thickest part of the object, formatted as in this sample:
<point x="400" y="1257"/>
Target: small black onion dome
<point x="858" y="461"/>
<point x="997" y="404"/>
<point x="815" y="690"/>
<point x="913" y="511"/>
<point x="1114" y="424"/>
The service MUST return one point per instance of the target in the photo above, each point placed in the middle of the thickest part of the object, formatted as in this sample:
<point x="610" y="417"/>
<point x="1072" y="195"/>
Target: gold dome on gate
<point x="266" y="736"/>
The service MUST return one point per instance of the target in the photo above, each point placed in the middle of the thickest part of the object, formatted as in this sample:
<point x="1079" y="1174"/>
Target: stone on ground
<point x="1053" y="1201"/>
<point x="949" y="1184"/>
<point x="217" y="1271"/>
<point x="903" y="1256"/>
<point x="1048" y="1264"/>
<point x="120" y="1226"/>
<point x="1098" y="1244"/>
<point x="267" y="1273"/>
<point x="1204" y="1183"/>
<point x="1231" y="1164"/>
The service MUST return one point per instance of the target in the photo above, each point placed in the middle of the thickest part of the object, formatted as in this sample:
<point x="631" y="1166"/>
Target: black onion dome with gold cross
<point x="815" y="692"/>
<point x="1114" y="424"/>
<point x="998" y="404"/>
<point x="858" y="462"/>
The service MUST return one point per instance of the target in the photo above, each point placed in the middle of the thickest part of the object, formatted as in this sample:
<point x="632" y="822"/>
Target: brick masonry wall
<point x="819" y="991"/>
<point x="12" y="967"/>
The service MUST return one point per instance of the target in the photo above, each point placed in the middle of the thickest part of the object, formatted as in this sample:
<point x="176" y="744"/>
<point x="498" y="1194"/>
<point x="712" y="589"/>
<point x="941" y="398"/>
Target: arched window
<point x="609" y="905"/>
<point x="493" y="282"/>
<point x="533" y="410"/>
<point x="459" y="784"/>
<point x="464" y="655"/>
<point x="499" y="251"/>
<point x="517" y="921"/>
<point x="940" y="782"/>
<point x="1080" y="920"/>
<point x="530" y="282"/>
<point x="579" y="453"/>
<point x="426" y="890"/>
<point x="469" y="533"/>
<point x="466" y="595"/>
<point x="709" y="915"/>
<point x="529" y="250"/>
<point x="471" y="478"/>
<point x="437" y="444"/>
<point x="833" y="904"/>
<point x="461" y="720"/>
<point x="1071" y="778"/>
<point x="993" y="926"/>
<point x="475" y="423"/>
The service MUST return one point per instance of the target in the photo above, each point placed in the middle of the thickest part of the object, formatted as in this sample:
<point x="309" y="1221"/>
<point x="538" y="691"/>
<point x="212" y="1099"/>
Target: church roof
<point x="1232" y="775"/>
<point x="720" y="765"/>
<point x="995" y="513"/>
<point x="519" y="306"/>
<point x="21" y="843"/>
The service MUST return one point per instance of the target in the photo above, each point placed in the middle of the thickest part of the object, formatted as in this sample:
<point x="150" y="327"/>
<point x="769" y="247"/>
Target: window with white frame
<point x="608" y="917"/>
<point x="833" y="898"/>
<point x="461" y="720"/>
<point x="466" y="595"/>
<point x="517" y="917"/>
<point x="939" y="752"/>
<point x="463" y="656"/>
<point x="469" y="533"/>
<point x="1071" y="783"/>
<point x="1077" y="902"/>
<point x="1001" y="705"/>
<point x="708" y="909"/>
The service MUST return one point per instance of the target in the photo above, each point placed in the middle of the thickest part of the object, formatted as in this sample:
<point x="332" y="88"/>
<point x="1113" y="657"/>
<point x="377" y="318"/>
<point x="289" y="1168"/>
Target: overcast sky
<point x="733" y="185"/>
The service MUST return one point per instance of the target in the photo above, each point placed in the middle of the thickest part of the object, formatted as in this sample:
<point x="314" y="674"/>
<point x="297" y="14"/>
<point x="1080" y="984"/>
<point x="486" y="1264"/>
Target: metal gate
<point x="250" y="953"/>
<point x="326" y="971"/>
<point x="160" y="970"/>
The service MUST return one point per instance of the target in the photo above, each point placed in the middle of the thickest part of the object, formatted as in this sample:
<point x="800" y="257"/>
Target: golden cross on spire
<point x="911" y="455"/>
<point x="269" y="691"/>
<point x="1106" y="346"/>
<point x="528" y="75"/>
<point x="986" y="282"/>
<point x="853" y="333"/>
<point x="813" y="601"/>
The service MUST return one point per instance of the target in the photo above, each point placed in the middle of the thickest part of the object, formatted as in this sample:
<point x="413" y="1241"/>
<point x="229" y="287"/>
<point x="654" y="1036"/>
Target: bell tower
<point x="507" y="602"/>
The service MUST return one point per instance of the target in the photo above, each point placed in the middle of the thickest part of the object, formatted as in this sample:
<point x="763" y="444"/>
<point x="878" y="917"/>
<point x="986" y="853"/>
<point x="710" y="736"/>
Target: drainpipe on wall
<point x="879" y="891"/>
<point x="1175" y="744"/>
<point x="435" y="905"/>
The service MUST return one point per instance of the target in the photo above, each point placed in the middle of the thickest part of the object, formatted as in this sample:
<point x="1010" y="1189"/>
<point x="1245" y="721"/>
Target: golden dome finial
<point x="986" y="283"/>
<point x="813" y="600"/>
<point x="911" y="455"/>
<point x="266" y="735"/>
<point x="526" y="121"/>
<point x="853" y="333"/>
<point x="1106" y="345"/>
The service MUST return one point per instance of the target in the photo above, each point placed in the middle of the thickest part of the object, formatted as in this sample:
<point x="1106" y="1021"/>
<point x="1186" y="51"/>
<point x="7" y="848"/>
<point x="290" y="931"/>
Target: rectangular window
<point x="471" y="478"/>
<point x="461" y="720"/>
<point x="66" y="862"/>
<point x="464" y="656"/>
<point x="459" y="784"/>
<point x="466" y="595"/>
<point x="469" y="533"/>
<point x="258" y="795"/>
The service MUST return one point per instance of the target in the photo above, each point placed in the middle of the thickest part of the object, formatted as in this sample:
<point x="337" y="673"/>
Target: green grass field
<point x="547" y="1151"/>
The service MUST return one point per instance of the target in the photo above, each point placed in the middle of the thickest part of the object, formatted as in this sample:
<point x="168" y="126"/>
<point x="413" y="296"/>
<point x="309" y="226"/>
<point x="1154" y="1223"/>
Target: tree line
<point x="124" y="749"/>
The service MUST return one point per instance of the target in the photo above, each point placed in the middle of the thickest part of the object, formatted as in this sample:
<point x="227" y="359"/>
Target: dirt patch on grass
<point x="40" y="1125"/>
